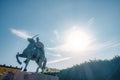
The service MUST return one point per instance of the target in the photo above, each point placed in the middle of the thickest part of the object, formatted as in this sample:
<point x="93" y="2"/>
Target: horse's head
<point x="31" y="40"/>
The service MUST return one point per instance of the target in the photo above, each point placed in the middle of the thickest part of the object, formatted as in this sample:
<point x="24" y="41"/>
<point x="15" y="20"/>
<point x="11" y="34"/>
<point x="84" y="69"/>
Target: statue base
<point x="30" y="76"/>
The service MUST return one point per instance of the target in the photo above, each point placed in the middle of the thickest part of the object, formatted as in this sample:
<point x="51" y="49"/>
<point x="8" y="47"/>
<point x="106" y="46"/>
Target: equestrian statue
<point x="34" y="51"/>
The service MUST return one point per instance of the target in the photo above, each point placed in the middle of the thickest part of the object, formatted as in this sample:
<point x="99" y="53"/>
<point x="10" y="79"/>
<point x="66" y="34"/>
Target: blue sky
<point x="56" y="21"/>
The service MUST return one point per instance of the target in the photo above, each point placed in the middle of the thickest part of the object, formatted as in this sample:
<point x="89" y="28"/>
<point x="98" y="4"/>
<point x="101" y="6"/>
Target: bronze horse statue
<point x="31" y="53"/>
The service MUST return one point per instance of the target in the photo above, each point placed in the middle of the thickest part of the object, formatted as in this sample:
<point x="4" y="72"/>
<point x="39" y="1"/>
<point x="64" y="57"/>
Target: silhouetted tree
<point x="93" y="70"/>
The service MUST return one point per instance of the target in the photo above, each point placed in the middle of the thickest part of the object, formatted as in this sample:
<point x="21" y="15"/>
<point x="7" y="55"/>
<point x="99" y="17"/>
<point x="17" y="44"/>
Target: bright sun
<point x="77" y="40"/>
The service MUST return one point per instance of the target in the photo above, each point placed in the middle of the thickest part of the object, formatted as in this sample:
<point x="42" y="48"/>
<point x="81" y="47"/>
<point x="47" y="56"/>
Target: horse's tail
<point x="17" y="57"/>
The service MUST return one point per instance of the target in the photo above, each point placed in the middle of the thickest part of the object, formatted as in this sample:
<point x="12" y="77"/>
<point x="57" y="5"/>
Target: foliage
<point x="52" y="73"/>
<point x="92" y="70"/>
<point x="1" y="75"/>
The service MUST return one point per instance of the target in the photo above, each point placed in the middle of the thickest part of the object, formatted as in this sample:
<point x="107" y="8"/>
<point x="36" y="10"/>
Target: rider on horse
<point x="36" y="46"/>
<point x="40" y="49"/>
<point x="34" y="51"/>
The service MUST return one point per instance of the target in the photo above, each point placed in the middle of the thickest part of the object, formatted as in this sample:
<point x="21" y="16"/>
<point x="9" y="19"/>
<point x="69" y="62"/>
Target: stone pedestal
<point x="32" y="76"/>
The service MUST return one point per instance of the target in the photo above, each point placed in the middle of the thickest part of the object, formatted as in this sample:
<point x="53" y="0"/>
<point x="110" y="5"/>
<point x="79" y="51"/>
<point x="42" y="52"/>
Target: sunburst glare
<point x="77" y="40"/>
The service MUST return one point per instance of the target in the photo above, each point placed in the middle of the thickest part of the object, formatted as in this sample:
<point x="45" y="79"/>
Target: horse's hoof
<point x="25" y="70"/>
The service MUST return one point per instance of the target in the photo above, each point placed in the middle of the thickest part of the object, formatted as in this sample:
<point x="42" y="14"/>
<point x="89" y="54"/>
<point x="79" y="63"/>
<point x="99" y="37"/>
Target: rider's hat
<point x="37" y="38"/>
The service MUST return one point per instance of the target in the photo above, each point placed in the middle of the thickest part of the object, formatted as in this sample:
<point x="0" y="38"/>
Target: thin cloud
<point x="56" y="34"/>
<point x="20" y="33"/>
<point x="53" y="54"/>
<point x="57" y="55"/>
<point x="59" y="60"/>
<point x="91" y="21"/>
<point x="108" y="44"/>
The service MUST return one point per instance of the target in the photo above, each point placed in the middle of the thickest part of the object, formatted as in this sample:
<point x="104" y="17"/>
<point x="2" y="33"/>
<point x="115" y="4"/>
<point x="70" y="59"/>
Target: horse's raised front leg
<point x="26" y="64"/>
<point x="17" y="57"/>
